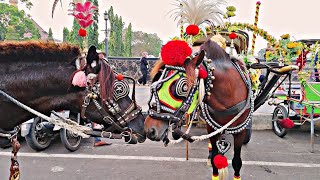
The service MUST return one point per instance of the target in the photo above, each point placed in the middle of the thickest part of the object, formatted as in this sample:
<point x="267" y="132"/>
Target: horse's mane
<point x="214" y="51"/>
<point x="106" y="80"/>
<point x="37" y="51"/>
<point x="156" y="68"/>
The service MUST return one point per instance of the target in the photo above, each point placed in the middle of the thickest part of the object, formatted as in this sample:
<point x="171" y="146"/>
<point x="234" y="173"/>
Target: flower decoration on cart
<point x="83" y="13"/>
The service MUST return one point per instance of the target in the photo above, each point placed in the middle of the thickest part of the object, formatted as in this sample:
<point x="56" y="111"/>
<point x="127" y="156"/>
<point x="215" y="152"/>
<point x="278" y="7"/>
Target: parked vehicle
<point x="39" y="133"/>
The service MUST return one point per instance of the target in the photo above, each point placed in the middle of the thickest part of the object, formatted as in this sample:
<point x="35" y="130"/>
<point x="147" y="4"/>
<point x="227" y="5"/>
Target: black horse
<point x="39" y="75"/>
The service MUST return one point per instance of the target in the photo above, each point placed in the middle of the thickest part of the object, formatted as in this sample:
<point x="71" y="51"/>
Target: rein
<point x="111" y="111"/>
<point x="176" y="116"/>
<point x="173" y="116"/>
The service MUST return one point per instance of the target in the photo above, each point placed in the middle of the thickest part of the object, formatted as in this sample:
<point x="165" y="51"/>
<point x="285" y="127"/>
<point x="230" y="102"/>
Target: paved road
<point x="265" y="157"/>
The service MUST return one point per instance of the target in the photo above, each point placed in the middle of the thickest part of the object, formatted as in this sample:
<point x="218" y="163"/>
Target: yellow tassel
<point x="215" y="177"/>
<point x="236" y="178"/>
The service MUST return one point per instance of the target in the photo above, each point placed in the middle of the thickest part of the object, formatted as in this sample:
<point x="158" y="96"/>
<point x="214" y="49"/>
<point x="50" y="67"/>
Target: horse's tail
<point x="223" y="173"/>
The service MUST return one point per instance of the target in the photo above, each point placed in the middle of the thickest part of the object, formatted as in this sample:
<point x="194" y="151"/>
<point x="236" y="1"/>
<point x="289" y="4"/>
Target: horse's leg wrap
<point x="236" y="178"/>
<point x="14" y="168"/>
<point x="215" y="177"/>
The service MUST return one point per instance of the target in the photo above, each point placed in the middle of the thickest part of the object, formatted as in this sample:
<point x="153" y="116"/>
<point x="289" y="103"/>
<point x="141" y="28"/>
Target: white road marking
<point x="152" y="158"/>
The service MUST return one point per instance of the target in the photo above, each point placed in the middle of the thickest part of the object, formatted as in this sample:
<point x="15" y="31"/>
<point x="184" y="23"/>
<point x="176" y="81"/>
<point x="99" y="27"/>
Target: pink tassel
<point x="79" y="79"/>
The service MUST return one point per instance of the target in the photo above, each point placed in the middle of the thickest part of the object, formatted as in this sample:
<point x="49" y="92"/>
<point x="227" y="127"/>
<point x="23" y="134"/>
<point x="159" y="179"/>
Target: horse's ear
<point x="200" y="57"/>
<point x="92" y="54"/>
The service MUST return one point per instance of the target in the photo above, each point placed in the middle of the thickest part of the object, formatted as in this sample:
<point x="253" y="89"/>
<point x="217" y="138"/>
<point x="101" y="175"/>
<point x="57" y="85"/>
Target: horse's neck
<point x="228" y="86"/>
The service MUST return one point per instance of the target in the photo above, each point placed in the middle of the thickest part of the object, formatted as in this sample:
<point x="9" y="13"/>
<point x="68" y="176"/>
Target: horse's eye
<point x="181" y="89"/>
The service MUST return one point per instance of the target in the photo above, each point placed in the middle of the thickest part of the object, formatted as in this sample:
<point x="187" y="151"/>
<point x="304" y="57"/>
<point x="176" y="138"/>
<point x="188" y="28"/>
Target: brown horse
<point x="225" y="99"/>
<point x="38" y="74"/>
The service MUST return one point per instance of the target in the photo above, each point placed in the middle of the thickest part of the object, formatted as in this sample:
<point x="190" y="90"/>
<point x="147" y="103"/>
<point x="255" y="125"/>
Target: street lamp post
<point x="106" y="38"/>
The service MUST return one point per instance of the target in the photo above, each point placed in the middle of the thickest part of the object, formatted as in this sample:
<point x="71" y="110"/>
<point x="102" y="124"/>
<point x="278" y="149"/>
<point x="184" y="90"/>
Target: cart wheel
<point x="37" y="139"/>
<point x="280" y="112"/>
<point x="70" y="140"/>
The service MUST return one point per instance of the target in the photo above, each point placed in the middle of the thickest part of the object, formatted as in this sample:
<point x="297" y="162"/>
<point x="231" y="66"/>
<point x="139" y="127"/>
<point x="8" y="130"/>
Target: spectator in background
<point x="144" y="67"/>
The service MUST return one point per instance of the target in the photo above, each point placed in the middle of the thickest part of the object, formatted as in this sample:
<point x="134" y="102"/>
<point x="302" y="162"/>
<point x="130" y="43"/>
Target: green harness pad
<point x="167" y="98"/>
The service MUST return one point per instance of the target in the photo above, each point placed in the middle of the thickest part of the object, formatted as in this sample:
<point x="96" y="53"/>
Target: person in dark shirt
<point x="144" y="67"/>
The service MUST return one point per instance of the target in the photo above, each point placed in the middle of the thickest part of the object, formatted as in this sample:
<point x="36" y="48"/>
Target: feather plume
<point x="198" y="12"/>
<point x="54" y="6"/>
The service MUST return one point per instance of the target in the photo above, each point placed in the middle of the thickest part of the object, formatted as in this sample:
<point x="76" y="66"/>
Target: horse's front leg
<point x="214" y="152"/>
<point x="236" y="161"/>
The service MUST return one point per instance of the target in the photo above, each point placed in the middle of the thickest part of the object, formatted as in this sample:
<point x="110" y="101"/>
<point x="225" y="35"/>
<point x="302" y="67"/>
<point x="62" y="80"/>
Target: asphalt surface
<point x="265" y="157"/>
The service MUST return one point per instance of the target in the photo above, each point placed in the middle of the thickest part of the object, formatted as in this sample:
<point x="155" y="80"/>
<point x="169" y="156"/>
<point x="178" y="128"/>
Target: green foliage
<point x="65" y="34"/>
<point x="150" y="43"/>
<point x="115" y="45"/>
<point x="230" y="12"/>
<point x="11" y="34"/>
<point x="27" y="3"/>
<point x="73" y="37"/>
<point x="15" y="25"/>
<point x="231" y="8"/>
<point x="50" y="35"/>
<point x="93" y="30"/>
<point x="102" y="45"/>
<point x="128" y="41"/>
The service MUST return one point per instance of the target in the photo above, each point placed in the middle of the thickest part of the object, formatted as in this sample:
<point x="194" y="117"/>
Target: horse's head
<point x="114" y="93"/>
<point x="173" y="88"/>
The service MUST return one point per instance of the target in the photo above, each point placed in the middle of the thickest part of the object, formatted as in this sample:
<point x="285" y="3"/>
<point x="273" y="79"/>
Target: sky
<point x="298" y="18"/>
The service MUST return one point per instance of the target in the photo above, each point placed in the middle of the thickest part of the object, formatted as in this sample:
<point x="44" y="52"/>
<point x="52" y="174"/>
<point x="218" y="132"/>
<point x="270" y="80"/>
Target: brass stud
<point x="211" y="85"/>
<point x="212" y="68"/>
<point x="209" y="93"/>
<point x="95" y="96"/>
<point x="209" y="60"/>
<point x="213" y="78"/>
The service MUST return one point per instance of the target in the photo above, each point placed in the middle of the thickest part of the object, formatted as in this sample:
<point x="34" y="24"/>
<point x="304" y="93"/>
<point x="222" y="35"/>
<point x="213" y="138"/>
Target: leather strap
<point x="230" y="111"/>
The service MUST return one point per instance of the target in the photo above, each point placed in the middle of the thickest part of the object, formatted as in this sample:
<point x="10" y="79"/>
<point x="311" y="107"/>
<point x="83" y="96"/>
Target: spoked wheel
<point x="70" y="140"/>
<point x="279" y="113"/>
<point x="37" y="139"/>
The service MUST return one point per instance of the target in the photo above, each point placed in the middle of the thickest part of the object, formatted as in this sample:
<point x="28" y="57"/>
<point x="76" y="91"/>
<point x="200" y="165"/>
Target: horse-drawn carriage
<point x="299" y="100"/>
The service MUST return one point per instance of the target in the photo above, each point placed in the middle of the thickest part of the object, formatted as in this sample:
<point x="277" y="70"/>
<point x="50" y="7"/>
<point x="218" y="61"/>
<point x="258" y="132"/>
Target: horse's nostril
<point x="152" y="134"/>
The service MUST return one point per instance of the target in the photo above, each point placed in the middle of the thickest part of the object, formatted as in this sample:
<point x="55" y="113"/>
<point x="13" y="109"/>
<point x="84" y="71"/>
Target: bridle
<point x="174" y="117"/>
<point x="113" y="115"/>
<point x="162" y="112"/>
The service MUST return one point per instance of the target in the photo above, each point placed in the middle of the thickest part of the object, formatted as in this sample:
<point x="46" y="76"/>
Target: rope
<point x="207" y="136"/>
<point x="70" y="125"/>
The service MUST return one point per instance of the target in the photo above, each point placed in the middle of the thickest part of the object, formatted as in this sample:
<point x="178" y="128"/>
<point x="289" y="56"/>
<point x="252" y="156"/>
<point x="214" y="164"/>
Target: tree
<point x="128" y="42"/>
<point x="65" y="34"/>
<point x="73" y="37"/>
<point x="93" y="30"/>
<point x="111" y="43"/>
<point x="12" y="34"/>
<point x="15" y="25"/>
<point x="50" y="36"/>
<point x="150" y="43"/>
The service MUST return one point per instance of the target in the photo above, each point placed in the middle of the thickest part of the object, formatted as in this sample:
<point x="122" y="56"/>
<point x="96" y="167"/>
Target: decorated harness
<point x="112" y="114"/>
<point x="172" y="100"/>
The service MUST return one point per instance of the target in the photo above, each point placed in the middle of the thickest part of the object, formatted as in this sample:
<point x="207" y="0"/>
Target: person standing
<point x="144" y="67"/>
